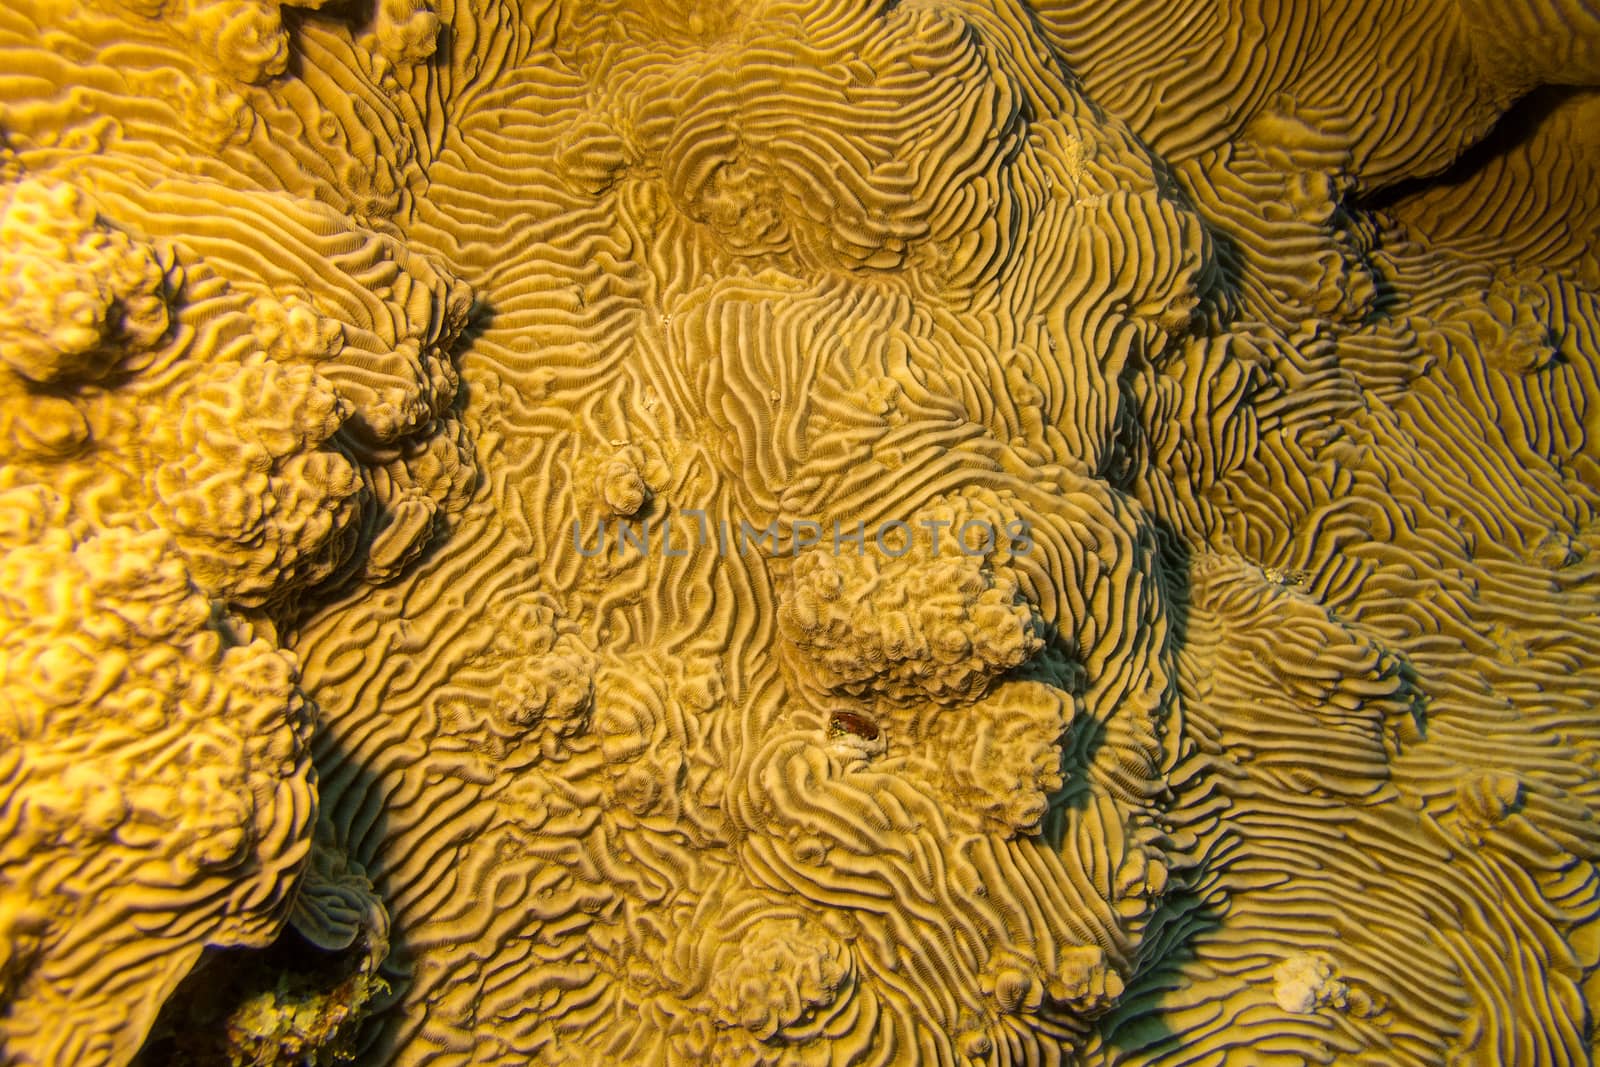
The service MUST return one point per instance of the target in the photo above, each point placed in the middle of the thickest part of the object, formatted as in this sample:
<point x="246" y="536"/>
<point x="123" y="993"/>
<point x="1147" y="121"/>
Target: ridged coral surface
<point x="823" y="533"/>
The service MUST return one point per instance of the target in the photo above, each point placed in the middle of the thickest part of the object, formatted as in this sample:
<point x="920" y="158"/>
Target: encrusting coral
<point x="943" y="532"/>
<point x="120" y="870"/>
<point x="200" y="431"/>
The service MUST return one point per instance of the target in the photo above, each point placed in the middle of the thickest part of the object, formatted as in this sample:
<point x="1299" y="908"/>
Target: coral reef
<point x="937" y="532"/>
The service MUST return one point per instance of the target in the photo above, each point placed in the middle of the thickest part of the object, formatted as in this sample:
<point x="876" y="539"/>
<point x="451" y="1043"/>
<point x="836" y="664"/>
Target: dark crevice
<point x="1510" y="131"/>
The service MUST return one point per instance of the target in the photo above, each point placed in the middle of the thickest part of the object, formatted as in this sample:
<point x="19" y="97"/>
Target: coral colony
<point x="950" y="533"/>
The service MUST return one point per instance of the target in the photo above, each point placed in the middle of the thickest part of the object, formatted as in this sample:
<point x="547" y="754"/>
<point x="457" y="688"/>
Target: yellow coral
<point x="148" y="735"/>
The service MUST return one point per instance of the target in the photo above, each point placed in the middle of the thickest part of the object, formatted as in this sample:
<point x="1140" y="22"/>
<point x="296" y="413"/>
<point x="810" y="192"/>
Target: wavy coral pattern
<point x="803" y="533"/>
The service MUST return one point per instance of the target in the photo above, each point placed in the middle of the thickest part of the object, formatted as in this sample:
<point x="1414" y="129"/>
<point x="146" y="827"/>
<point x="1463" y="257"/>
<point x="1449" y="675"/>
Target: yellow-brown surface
<point x="340" y="342"/>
